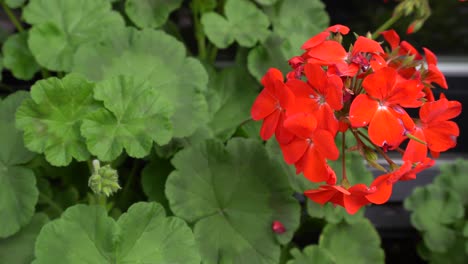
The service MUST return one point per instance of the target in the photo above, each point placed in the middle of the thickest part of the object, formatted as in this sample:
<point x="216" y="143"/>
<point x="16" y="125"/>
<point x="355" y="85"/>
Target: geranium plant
<point x="125" y="137"/>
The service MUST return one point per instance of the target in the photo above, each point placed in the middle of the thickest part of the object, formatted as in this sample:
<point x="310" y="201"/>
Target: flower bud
<point x="104" y="180"/>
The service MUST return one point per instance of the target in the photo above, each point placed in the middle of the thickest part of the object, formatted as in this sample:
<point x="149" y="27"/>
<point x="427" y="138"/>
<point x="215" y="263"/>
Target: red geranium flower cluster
<point x="364" y="91"/>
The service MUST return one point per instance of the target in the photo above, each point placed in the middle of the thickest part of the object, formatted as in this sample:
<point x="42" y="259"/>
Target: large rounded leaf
<point x="18" y="58"/>
<point x="161" y="60"/>
<point x="85" y="234"/>
<point x="433" y="210"/>
<point x="19" y="248"/>
<point x="61" y="26"/>
<point x="134" y="116"/>
<point x="311" y="254"/>
<point x="230" y="97"/>
<point x="18" y="192"/>
<point x="352" y="243"/>
<point x="244" y="23"/>
<point x="150" y="13"/>
<point x="453" y="176"/>
<point x="51" y="120"/>
<point x="233" y="194"/>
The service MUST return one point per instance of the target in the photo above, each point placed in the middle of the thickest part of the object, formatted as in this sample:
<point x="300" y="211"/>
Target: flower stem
<point x="343" y="155"/>
<point x="378" y="149"/>
<point x="12" y="16"/>
<point x="199" y="34"/>
<point x="386" y="25"/>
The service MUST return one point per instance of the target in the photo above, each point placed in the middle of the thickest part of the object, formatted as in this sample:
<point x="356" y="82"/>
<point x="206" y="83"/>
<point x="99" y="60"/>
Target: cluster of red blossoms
<point x="364" y="91"/>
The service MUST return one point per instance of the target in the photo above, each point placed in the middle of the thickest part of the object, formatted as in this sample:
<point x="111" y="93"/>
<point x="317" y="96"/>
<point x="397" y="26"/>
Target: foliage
<point x="125" y="137"/>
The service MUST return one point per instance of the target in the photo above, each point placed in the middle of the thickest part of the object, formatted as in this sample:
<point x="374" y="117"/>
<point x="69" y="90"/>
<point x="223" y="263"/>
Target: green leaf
<point x="267" y="55"/>
<point x="19" y="248"/>
<point x="153" y="180"/>
<point x="230" y="96"/>
<point x="333" y="214"/>
<point x="453" y="177"/>
<point x="455" y="254"/>
<point x="18" y="192"/>
<point x="233" y="194"/>
<point x="297" y="21"/>
<point x="244" y="23"/>
<point x="134" y="116"/>
<point x="433" y="209"/>
<point x="178" y="79"/>
<point x="14" y="3"/>
<point x="51" y="120"/>
<point x="59" y="27"/>
<point x="352" y="243"/>
<point x="311" y="254"/>
<point x="85" y="234"/>
<point x="251" y="129"/>
<point x="150" y="13"/>
<point x="18" y="58"/>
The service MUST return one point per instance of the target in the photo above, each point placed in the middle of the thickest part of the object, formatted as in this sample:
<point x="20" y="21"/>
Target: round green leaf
<point x="297" y="21"/>
<point x="433" y="209"/>
<point x="455" y="254"/>
<point x="230" y="96"/>
<point x="266" y="2"/>
<point x="311" y="254"/>
<point x="19" y="248"/>
<point x="352" y="243"/>
<point x="267" y="55"/>
<point x="453" y="177"/>
<point x="18" y="58"/>
<point x="18" y="192"/>
<point x="150" y="13"/>
<point x="244" y="23"/>
<point x="134" y="116"/>
<point x="61" y="26"/>
<point x="85" y="234"/>
<point x="233" y="194"/>
<point x="333" y="214"/>
<point x="178" y="79"/>
<point x="51" y="120"/>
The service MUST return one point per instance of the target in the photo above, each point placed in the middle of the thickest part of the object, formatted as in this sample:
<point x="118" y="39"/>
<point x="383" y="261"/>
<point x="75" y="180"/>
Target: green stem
<point x="385" y="25"/>
<point x="12" y="16"/>
<point x="51" y="203"/>
<point x="199" y="34"/>
<point x="378" y="149"/>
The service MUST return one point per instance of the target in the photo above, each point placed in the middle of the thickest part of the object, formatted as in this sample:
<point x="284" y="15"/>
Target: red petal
<point x="316" y="77"/>
<point x="293" y="151"/>
<point x="271" y="75"/>
<point x="299" y="88"/>
<point x="385" y="128"/>
<point x="439" y="110"/>
<point x="415" y="151"/>
<point x="434" y="75"/>
<point x="329" y="52"/>
<point x="301" y="124"/>
<point x="407" y="49"/>
<point x="383" y="190"/>
<point x="364" y="44"/>
<point x="334" y="92"/>
<point x="283" y="135"/>
<point x="430" y="57"/>
<point x="392" y="38"/>
<point x="326" y="119"/>
<point x="263" y="106"/>
<point x="407" y="93"/>
<point x="442" y="135"/>
<point x="325" y="144"/>
<point x="362" y="110"/>
<point x="338" y="28"/>
<point x="284" y="94"/>
<point x="315" y="40"/>
<point x="380" y="83"/>
<point x="344" y="69"/>
<point x="269" y="125"/>
<point x="377" y="62"/>
<point x="314" y="165"/>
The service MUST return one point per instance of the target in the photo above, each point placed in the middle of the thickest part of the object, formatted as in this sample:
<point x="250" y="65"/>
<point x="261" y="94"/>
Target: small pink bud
<point x="278" y="227"/>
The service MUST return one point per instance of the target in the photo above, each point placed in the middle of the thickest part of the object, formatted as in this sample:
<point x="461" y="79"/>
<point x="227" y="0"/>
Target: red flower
<point x="435" y="129"/>
<point x="321" y="95"/>
<point x="351" y="199"/>
<point x="270" y="106"/>
<point x="309" y="148"/>
<point x="383" y="184"/>
<point x="380" y="107"/>
<point x="433" y="75"/>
